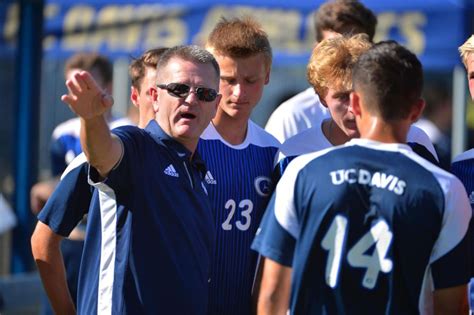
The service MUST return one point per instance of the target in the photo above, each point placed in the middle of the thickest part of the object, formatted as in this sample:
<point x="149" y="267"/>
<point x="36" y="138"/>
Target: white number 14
<point x="333" y="241"/>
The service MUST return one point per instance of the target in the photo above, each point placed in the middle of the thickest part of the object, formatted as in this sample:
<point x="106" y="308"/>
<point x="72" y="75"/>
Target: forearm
<point x="102" y="149"/>
<point x="274" y="289"/>
<point x="451" y="301"/>
<point x="47" y="254"/>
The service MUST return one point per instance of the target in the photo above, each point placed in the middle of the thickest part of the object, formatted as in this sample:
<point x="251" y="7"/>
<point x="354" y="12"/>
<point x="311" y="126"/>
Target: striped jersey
<point x="368" y="228"/>
<point x="239" y="186"/>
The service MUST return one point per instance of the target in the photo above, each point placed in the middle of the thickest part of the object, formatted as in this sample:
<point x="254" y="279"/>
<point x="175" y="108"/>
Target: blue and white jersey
<point x="463" y="167"/>
<point x="66" y="143"/>
<point x="313" y="139"/>
<point x="239" y="186"/>
<point x="150" y="231"/>
<point x="70" y="200"/>
<point x="368" y="228"/>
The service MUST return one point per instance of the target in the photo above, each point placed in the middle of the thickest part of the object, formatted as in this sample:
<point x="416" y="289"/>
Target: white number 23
<point x="246" y="206"/>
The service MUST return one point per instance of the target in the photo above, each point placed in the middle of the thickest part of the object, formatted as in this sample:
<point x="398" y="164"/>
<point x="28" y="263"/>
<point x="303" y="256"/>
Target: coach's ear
<point x="417" y="110"/>
<point x="354" y="103"/>
<point x="155" y="98"/>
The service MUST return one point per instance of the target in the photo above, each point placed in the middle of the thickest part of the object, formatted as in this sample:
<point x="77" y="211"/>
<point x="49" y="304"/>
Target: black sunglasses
<point x="181" y="90"/>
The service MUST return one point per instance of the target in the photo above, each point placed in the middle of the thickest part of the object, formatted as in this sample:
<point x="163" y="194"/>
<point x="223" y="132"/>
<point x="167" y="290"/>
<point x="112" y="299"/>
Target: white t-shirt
<point x="301" y="112"/>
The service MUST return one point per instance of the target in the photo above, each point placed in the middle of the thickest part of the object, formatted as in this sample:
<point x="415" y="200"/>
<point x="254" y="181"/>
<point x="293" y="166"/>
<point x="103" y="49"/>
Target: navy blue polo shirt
<point x="150" y="231"/>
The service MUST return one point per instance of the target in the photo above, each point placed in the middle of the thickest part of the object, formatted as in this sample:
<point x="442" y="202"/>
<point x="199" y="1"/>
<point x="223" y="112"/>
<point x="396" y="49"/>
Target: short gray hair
<point x="191" y="53"/>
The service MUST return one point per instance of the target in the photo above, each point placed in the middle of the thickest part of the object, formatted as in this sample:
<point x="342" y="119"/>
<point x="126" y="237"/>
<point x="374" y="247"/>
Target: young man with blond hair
<point x="463" y="164"/>
<point x="330" y="74"/>
<point x="239" y="156"/>
<point x="304" y="110"/>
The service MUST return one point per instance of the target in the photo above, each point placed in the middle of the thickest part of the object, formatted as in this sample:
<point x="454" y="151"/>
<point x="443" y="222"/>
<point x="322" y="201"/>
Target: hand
<point x="85" y="97"/>
<point x="40" y="193"/>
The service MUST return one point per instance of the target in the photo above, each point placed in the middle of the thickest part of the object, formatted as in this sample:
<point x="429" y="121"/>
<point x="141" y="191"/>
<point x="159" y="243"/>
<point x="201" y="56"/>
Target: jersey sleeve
<point x="57" y="156"/>
<point x="450" y="263"/>
<point x="119" y="178"/>
<point x="279" y="229"/>
<point x="70" y="200"/>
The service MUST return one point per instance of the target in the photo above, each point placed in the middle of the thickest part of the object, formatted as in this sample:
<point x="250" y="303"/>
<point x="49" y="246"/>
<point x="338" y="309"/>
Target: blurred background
<point x="37" y="36"/>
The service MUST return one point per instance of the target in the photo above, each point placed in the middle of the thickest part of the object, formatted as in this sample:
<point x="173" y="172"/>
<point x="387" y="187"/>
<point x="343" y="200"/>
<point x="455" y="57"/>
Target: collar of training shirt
<point x="182" y="153"/>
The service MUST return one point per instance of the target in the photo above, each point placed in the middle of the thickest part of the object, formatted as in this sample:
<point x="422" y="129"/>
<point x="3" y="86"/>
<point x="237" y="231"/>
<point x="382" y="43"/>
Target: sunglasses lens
<point x="205" y="94"/>
<point x="178" y="89"/>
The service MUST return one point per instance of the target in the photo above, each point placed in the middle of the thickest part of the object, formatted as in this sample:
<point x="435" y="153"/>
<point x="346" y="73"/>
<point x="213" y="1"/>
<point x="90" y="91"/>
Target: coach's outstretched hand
<point x="86" y="98"/>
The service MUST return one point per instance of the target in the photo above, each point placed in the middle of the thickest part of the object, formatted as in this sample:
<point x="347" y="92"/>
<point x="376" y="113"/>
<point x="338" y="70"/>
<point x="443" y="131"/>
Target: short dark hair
<point x="390" y="80"/>
<point x="88" y="61"/>
<point x="137" y="68"/>
<point x="190" y="53"/>
<point x="347" y="17"/>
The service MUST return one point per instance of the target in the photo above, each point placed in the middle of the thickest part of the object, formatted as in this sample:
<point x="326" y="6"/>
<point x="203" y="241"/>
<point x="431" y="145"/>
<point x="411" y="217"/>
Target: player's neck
<point x="382" y="131"/>
<point x="232" y="130"/>
<point x="333" y="133"/>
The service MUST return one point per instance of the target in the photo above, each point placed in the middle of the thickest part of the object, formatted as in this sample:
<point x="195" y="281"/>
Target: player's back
<point x="375" y="242"/>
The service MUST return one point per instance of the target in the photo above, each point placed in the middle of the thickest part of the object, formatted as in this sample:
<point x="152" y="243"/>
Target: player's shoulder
<point x="306" y="101"/>
<point x="307" y="141"/>
<point x="419" y="136"/>
<point x="303" y="160"/>
<point x="258" y="136"/>
<point x="77" y="162"/>
<point x="465" y="156"/>
<point x="69" y="127"/>
<point x="122" y="121"/>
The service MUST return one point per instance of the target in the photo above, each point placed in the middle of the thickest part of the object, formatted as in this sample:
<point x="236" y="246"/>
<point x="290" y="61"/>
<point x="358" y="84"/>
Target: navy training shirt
<point x="150" y="231"/>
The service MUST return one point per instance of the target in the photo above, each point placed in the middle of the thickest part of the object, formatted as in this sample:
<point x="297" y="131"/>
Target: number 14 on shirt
<point x="379" y="234"/>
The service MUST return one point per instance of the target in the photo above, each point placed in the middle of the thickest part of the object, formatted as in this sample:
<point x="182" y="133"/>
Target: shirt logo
<point x="263" y="186"/>
<point x="171" y="171"/>
<point x="210" y="179"/>
<point x="471" y="197"/>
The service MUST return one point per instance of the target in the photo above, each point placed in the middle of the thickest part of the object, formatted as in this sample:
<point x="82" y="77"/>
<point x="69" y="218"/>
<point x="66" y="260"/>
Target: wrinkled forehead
<point x="178" y="70"/>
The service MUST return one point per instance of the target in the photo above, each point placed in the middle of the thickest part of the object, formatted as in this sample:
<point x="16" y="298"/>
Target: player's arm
<point x="274" y="289"/>
<point x="451" y="301"/>
<point x="89" y="102"/>
<point x="45" y="245"/>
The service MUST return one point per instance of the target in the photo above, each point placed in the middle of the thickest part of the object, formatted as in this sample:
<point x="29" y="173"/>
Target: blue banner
<point x="433" y="29"/>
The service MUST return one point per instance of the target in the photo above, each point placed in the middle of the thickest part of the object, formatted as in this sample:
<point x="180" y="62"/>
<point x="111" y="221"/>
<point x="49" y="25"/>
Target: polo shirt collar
<point x="159" y="135"/>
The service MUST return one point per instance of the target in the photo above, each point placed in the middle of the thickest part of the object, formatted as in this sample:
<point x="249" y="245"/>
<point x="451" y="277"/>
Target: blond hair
<point x="332" y="61"/>
<point x="467" y="49"/>
<point x="240" y="38"/>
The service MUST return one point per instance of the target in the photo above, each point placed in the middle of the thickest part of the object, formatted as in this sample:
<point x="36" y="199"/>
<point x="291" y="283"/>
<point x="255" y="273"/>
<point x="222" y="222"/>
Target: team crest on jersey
<point x="210" y="179"/>
<point x="263" y="186"/>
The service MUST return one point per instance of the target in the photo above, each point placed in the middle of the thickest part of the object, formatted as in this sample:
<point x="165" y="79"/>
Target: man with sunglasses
<point x="149" y="192"/>
<point x="239" y="156"/>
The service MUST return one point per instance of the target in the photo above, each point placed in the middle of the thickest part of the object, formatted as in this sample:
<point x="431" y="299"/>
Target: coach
<point x="150" y="232"/>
